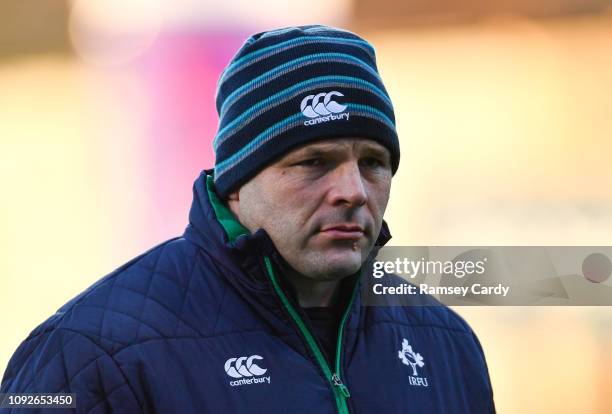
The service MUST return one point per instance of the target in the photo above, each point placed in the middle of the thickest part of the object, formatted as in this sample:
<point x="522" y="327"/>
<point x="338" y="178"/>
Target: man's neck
<point x="313" y="293"/>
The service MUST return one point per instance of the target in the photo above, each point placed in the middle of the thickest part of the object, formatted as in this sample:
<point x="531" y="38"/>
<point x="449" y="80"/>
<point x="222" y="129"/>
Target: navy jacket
<point x="204" y="323"/>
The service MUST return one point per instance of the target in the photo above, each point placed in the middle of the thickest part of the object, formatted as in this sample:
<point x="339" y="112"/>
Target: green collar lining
<point x="233" y="228"/>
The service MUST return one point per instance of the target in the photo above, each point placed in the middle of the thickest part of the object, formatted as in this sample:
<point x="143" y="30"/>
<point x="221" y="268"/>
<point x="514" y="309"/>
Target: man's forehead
<point x="340" y="144"/>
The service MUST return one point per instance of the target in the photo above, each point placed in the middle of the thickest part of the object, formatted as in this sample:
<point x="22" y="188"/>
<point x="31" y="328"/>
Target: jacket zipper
<point x="341" y="392"/>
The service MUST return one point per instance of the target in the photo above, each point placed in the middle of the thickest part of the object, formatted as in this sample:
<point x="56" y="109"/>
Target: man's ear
<point x="233" y="196"/>
<point x="233" y="202"/>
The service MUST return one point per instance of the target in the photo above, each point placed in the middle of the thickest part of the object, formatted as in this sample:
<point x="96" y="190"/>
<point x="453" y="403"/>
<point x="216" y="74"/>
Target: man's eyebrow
<point x="316" y="150"/>
<point x="330" y="149"/>
<point x="379" y="151"/>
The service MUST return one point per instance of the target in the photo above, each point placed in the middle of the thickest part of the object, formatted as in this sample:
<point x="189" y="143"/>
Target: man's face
<point x="321" y="204"/>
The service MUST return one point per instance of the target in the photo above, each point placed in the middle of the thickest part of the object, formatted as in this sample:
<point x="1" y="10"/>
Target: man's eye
<point x="311" y="162"/>
<point x="372" y="162"/>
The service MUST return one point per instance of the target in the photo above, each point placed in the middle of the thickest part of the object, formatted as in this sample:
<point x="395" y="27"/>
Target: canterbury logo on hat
<point x="316" y="108"/>
<point x="312" y="107"/>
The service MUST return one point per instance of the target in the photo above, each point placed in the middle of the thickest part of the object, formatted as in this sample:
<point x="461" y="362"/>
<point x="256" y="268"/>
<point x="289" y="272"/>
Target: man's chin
<point x="340" y="264"/>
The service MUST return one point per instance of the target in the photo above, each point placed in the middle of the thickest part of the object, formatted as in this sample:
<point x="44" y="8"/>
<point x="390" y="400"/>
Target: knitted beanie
<point x="289" y="87"/>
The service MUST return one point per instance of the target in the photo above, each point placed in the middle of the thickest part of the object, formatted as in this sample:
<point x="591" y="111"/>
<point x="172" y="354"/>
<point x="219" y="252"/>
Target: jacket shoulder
<point x="64" y="361"/>
<point x="146" y="298"/>
<point x="143" y="299"/>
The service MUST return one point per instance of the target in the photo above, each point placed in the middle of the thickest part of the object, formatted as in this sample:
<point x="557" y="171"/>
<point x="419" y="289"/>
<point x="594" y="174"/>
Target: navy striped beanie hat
<point x="289" y="87"/>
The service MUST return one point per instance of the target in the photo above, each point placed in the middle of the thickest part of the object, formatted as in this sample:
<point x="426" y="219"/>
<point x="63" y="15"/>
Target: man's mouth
<point x="343" y="231"/>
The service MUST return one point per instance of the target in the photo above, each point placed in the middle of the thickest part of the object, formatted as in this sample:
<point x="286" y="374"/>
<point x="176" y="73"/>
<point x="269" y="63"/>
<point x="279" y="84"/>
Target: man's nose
<point x="348" y="186"/>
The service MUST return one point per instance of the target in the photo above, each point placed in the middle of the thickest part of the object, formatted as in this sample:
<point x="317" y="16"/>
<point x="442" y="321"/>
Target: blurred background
<point x="503" y="109"/>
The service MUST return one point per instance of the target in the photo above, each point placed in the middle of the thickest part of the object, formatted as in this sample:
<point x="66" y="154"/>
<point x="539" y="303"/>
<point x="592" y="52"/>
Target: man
<point x="257" y="306"/>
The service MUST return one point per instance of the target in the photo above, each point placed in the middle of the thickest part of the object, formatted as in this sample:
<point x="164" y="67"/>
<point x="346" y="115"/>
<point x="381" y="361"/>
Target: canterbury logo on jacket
<point x="205" y="323"/>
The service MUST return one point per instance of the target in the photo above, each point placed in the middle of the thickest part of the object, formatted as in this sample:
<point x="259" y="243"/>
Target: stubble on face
<point x="322" y="205"/>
